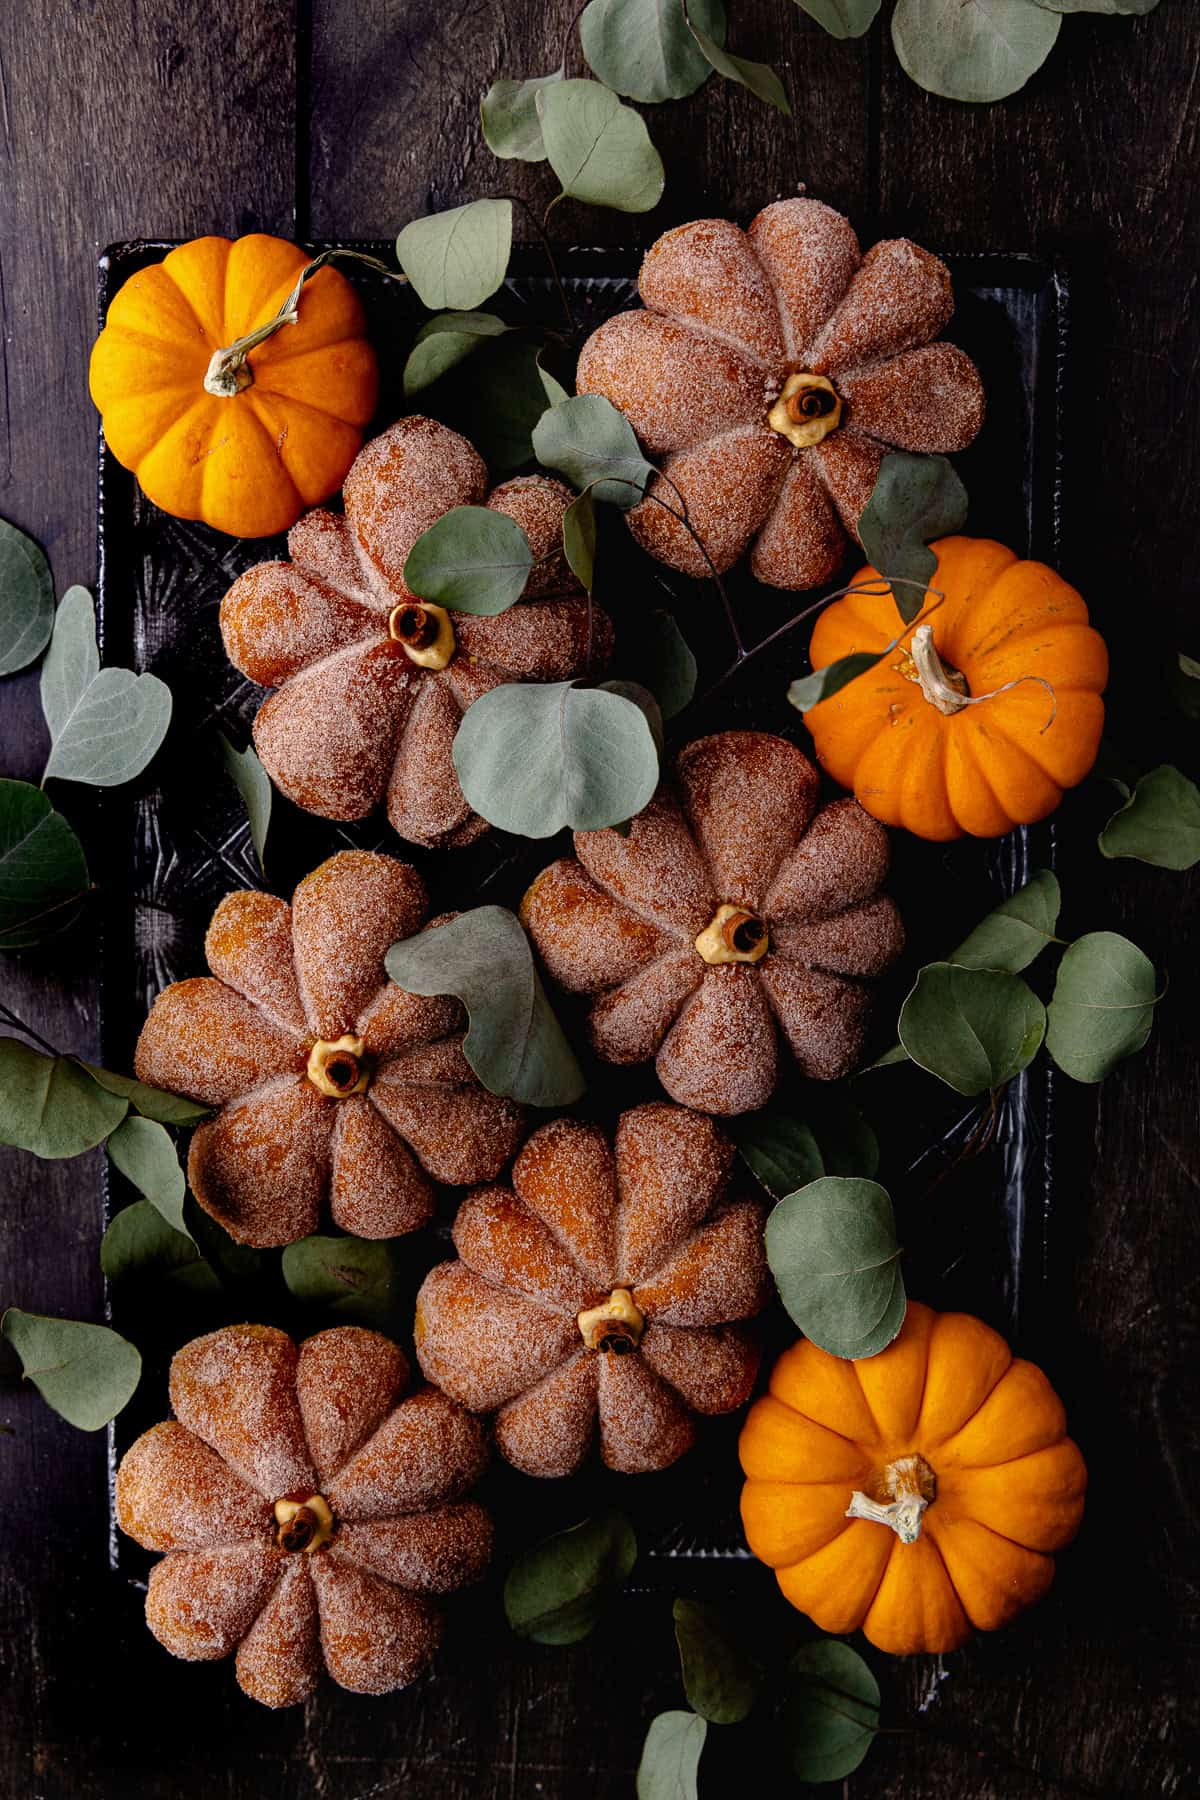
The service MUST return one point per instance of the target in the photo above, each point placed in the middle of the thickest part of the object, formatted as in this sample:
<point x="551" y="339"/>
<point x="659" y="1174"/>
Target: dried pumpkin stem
<point x="941" y="688"/>
<point x="228" y="371"/>
<point x="912" y="1484"/>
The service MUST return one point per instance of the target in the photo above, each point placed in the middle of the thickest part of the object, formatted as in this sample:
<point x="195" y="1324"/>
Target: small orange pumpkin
<point x="248" y="441"/>
<point x="916" y="1493"/>
<point x="934" y="738"/>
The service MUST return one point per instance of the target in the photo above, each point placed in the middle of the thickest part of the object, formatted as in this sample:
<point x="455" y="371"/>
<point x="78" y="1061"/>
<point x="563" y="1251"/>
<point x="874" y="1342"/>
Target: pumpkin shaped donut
<point x="599" y="1295"/>
<point x="333" y="1085"/>
<point x="983" y="714"/>
<point x="372" y="681"/>
<point x="244" y="442"/>
<point x="917" y="1494"/>
<point x="305" y="1513"/>
<point x="772" y="369"/>
<point x="733" y="912"/>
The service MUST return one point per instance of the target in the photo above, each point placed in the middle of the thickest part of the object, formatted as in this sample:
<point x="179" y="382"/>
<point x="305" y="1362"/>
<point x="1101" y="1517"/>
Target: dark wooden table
<point x="340" y="119"/>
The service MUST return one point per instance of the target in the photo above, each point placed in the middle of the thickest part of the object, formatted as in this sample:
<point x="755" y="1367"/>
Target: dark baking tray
<point x="979" y="1229"/>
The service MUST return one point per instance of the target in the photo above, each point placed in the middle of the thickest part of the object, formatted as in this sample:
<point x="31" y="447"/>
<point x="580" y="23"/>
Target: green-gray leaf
<point x="972" y="1028"/>
<point x="555" y="1592"/>
<point x="807" y="690"/>
<point x="593" y="445"/>
<point x="982" y="51"/>
<point x="105" y="724"/>
<point x="671" y="1757"/>
<point x="85" y="1372"/>
<point x="445" y="341"/>
<point x="579" y="540"/>
<point x="1016" y="931"/>
<point x="833" y="1252"/>
<point x="254" y="785"/>
<point x="43" y="875"/>
<point x="150" y="1102"/>
<point x="457" y="258"/>
<point x="599" y="149"/>
<point x="507" y="396"/>
<point x="514" y="1042"/>
<point x="785" y="1152"/>
<point x="666" y="663"/>
<point x="915" y="498"/>
<point x="139" y="1245"/>
<point x="511" y="127"/>
<point x="1134" y="8"/>
<point x="50" y="1105"/>
<point x="1159" y="823"/>
<point x="719" y="1678"/>
<point x="146" y="1156"/>
<point x="643" y="48"/>
<point x="760" y="78"/>
<point x="842" y="18"/>
<point x="830" y="1710"/>
<point x="351" y="1278"/>
<point x="26" y="600"/>
<point x="533" y="757"/>
<point x="471" y="559"/>
<point x="1103" y="1005"/>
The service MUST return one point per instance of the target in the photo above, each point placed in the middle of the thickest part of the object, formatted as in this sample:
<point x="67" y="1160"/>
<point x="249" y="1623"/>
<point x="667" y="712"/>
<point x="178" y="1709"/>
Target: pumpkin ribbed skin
<point x="1009" y="1483"/>
<point x="248" y="464"/>
<point x="991" y="766"/>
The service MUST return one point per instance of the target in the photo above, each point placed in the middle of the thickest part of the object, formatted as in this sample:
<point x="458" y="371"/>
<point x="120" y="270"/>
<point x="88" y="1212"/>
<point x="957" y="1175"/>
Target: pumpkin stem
<point x="912" y="1484"/>
<point x="945" y="691"/>
<point x="229" y="373"/>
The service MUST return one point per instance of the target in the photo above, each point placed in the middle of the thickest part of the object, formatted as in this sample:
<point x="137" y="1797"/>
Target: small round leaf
<point x="1103" y="1005"/>
<point x="915" y="499"/>
<point x="445" y="341"/>
<point x="457" y="258"/>
<point x="351" y="1278"/>
<point x="85" y="1372"/>
<point x="599" y="149"/>
<point x="981" y="51"/>
<point x="50" y="1105"/>
<point x="719" y="1678"/>
<point x="511" y="127"/>
<point x="671" y="1757"/>
<point x="26" y="600"/>
<point x="587" y="440"/>
<point x="1015" y="932"/>
<point x="843" y="18"/>
<point x="1159" y="823"/>
<point x="832" y="1249"/>
<point x="106" y="725"/>
<point x="643" y="48"/>
<point x="139" y="1245"/>
<point x="254" y="785"/>
<point x="972" y="1028"/>
<point x="146" y="1155"/>
<point x="472" y="559"/>
<point x="150" y="1102"/>
<point x="43" y="874"/>
<point x="667" y="664"/>
<point x="830" y="1710"/>
<point x="759" y="78"/>
<point x="555" y="1592"/>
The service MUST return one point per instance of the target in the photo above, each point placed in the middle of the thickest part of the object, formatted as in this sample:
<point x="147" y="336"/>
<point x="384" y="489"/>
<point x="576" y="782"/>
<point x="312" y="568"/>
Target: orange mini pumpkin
<point x="915" y="1494"/>
<point x="986" y="712"/>
<point x="244" y="444"/>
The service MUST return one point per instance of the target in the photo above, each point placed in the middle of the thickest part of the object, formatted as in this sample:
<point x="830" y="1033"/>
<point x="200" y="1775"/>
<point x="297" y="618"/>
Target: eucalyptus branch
<point x="18" y="1024"/>
<point x="539" y="227"/>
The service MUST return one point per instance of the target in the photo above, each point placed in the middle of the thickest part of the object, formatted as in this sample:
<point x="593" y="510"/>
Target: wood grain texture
<point x="118" y="120"/>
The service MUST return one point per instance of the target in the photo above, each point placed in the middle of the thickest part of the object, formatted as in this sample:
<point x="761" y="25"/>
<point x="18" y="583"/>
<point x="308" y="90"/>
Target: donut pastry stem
<point x="807" y="410"/>
<point x="338" y="1068"/>
<point x="424" y="633"/>
<point x="734" y="936"/>
<point x="305" y="1523"/>
<point x="616" y="1324"/>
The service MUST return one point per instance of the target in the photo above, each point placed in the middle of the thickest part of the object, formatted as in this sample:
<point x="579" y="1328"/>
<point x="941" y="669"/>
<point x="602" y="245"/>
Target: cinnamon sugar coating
<point x="729" y="315"/>
<point x="280" y="1152"/>
<point x="354" y="723"/>
<point x="650" y="1212"/>
<point x="738" y="828"/>
<point x="260" y="1420"/>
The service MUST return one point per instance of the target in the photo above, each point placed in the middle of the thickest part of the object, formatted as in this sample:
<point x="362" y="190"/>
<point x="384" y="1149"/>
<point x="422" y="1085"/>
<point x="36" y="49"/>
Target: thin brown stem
<point x="18" y="1024"/>
<point x="539" y="226"/>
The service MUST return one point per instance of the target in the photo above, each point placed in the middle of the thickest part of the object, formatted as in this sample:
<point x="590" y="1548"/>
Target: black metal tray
<point x="979" y="1229"/>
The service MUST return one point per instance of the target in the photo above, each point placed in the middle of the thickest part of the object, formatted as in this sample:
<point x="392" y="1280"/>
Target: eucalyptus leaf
<point x="666" y="662"/>
<point x="139" y="1245"/>
<point x="599" y="149"/>
<point x="980" y="51"/>
<point x="43" y="874"/>
<point x="535" y="757"/>
<point x="830" y="1712"/>
<point x="553" y="389"/>
<point x="832" y="1249"/>
<point x="472" y="559"/>
<point x="86" y="1373"/>
<point x="1159" y="823"/>
<point x="505" y="395"/>
<point x="807" y="690"/>
<point x="145" y="1154"/>
<point x="445" y="341"/>
<point x="26" y="600"/>
<point x="972" y="1028"/>
<point x="460" y="257"/>
<point x="579" y="540"/>
<point x="236" y="1266"/>
<point x="780" y="1150"/>
<point x="150" y="1102"/>
<point x="556" y="1592"/>
<point x="593" y="445"/>
<point x="1015" y="932"/>
<point x="1103" y="1005"/>
<point x="643" y="48"/>
<point x="353" y="1279"/>
<point x="1132" y="8"/>
<point x="842" y="18"/>
<point x="915" y="498"/>
<point x="511" y="127"/>
<point x="105" y="724"/>
<point x="514" y="1043"/>
<point x="1183" y="680"/>
<point x="50" y="1105"/>
<point x="671" y="1757"/>
<point x="760" y="78"/>
<point x="720" y="1680"/>
<point x="254" y="785"/>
